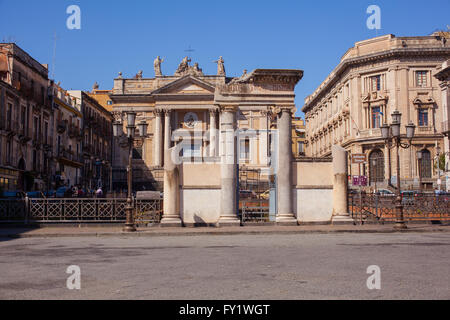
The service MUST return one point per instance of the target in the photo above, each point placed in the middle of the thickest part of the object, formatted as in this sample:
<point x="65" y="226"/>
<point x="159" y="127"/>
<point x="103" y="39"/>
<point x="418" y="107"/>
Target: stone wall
<point x="200" y="193"/>
<point x="313" y="190"/>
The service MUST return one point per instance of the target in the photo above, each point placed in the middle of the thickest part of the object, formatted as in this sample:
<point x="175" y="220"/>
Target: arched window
<point x="425" y="164"/>
<point x="376" y="165"/>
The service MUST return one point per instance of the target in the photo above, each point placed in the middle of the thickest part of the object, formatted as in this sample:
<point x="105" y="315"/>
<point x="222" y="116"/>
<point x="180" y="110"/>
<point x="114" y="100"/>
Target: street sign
<point x="360" y="181"/>
<point x="363" y="181"/>
<point x="359" y="158"/>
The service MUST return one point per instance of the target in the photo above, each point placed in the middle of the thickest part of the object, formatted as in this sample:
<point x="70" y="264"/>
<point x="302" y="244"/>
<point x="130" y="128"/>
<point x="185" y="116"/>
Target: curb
<point x="217" y="233"/>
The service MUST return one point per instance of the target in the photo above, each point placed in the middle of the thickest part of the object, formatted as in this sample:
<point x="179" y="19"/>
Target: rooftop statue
<point x="157" y="66"/>
<point x="183" y="66"/>
<point x="95" y="86"/>
<point x="220" y="66"/>
<point x="138" y="75"/>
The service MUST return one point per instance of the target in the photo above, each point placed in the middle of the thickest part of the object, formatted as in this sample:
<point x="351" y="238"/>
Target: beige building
<point x="444" y="77"/>
<point x="26" y="121"/>
<point x="374" y="78"/>
<point x="96" y="141"/>
<point x="67" y="139"/>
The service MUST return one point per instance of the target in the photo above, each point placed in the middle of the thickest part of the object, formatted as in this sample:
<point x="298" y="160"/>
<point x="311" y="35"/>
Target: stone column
<point x="229" y="167"/>
<point x="340" y="182"/>
<point x="213" y="133"/>
<point x="171" y="204"/>
<point x="285" y="213"/>
<point x="167" y="131"/>
<point x="158" y="139"/>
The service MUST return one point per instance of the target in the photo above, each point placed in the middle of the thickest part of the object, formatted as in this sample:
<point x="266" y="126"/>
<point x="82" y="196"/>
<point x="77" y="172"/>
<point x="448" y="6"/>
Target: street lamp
<point x="419" y="160"/>
<point x="131" y="128"/>
<point x="374" y="171"/>
<point x="438" y="154"/>
<point x="392" y="133"/>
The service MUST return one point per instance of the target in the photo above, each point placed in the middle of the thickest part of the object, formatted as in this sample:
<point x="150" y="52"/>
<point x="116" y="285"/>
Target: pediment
<point x="187" y="85"/>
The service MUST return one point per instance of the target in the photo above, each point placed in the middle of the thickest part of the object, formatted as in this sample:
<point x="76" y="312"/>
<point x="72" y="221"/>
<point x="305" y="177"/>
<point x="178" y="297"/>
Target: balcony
<point x="62" y="126"/>
<point x="69" y="157"/>
<point x="74" y="132"/>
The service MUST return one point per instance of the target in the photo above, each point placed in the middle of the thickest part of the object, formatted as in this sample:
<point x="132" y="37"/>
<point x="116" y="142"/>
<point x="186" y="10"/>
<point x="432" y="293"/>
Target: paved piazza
<point x="307" y="266"/>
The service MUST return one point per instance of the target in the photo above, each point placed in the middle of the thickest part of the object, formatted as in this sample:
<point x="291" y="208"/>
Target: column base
<point x="129" y="228"/>
<point x="400" y="226"/>
<point x="287" y="219"/>
<point x="229" y="222"/>
<point x="171" y="222"/>
<point x="342" y="219"/>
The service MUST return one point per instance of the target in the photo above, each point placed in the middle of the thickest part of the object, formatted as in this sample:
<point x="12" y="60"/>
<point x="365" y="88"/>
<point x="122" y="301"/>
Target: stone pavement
<point x="108" y="230"/>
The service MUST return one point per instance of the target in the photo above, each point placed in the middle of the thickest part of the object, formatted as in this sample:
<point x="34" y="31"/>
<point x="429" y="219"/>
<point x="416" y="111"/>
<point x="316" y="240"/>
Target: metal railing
<point x="78" y="210"/>
<point x="254" y="210"/>
<point x="381" y="208"/>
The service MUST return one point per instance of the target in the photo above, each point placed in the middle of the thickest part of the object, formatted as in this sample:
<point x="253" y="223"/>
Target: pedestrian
<point x="99" y="192"/>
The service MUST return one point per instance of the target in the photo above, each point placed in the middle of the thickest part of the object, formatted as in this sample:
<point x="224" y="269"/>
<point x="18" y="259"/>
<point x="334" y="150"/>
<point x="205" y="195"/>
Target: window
<point x="376" y="117"/>
<point x="376" y="166"/>
<point x="36" y="128"/>
<point x="423" y="117"/>
<point x="191" y="150"/>
<point x="421" y="78"/>
<point x="300" y="148"/>
<point x="375" y="83"/>
<point x="46" y="132"/>
<point x="425" y="164"/>
<point x="244" y="149"/>
<point x="109" y="103"/>
<point x="137" y="153"/>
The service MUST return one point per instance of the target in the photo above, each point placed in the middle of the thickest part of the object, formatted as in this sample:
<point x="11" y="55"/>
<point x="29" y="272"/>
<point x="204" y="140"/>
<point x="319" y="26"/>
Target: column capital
<point x="167" y="112"/>
<point x="157" y="111"/>
<point x="282" y="108"/>
<point x="213" y="110"/>
<point x="228" y="108"/>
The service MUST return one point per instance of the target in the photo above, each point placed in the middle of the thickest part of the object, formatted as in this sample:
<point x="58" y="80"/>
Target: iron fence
<point x="78" y="210"/>
<point x="381" y="208"/>
<point x="254" y="210"/>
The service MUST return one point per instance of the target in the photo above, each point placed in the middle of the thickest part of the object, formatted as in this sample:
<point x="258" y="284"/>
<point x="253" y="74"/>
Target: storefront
<point x="9" y="179"/>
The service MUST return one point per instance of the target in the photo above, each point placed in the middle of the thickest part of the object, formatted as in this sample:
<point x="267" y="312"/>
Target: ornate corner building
<point x="374" y="78"/>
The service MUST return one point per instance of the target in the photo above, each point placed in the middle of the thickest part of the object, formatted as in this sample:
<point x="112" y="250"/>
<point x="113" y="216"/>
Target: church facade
<point x="190" y="111"/>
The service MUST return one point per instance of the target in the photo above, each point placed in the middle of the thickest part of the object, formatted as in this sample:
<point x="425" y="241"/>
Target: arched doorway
<point x="376" y="165"/>
<point x="425" y="164"/>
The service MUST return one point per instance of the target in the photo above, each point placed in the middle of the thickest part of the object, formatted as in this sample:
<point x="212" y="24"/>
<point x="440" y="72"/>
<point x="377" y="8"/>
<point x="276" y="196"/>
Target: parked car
<point x="385" y="192"/>
<point x="12" y="195"/>
<point x="35" y="194"/>
<point x="247" y="194"/>
<point x="408" y="197"/>
<point x="265" y="195"/>
<point x="63" y="192"/>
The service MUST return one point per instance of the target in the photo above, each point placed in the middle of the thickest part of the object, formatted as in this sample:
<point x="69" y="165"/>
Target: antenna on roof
<point x="189" y="51"/>
<point x="55" y="38"/>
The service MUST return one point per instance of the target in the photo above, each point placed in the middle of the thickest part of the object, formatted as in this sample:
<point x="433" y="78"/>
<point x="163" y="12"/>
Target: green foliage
<point x="441" y="162"/>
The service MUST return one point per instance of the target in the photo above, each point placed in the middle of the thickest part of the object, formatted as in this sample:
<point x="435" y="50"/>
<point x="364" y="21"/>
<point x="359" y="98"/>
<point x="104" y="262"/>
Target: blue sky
<point x="127" y="35"/>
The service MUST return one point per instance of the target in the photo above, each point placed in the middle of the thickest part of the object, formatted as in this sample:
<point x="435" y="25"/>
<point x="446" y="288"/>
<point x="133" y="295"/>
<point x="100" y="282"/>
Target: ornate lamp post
<point x="131" y="128"/>
<point x="392" y="133"/>
<point x="419" y="160"/>
<point x="438" y="155"/>
<point x="374" y="165"/>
